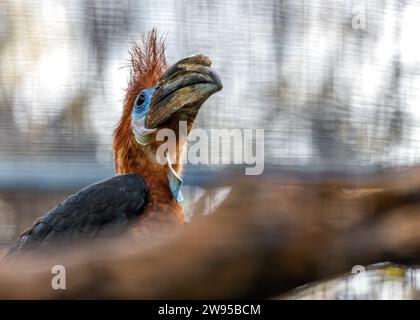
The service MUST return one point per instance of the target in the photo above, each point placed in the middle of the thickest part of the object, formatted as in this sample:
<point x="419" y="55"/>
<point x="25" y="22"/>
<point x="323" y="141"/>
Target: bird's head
<point x="160" y="98"/>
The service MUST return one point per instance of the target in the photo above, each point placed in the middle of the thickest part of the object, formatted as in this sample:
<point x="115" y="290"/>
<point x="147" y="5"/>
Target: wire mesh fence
<point x="332" y="83"/>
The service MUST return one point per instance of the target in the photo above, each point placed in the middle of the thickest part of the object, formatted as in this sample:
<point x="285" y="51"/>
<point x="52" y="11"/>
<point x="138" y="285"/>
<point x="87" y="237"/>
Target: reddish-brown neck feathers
<point x="147" y="64"/>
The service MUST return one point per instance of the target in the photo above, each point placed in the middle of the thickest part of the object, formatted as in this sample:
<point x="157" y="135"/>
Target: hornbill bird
<point x="146" y="190"/>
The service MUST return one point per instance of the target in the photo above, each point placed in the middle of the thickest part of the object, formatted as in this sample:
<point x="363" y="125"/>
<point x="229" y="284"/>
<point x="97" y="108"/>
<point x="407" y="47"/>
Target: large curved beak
<point x="182" y="89"/>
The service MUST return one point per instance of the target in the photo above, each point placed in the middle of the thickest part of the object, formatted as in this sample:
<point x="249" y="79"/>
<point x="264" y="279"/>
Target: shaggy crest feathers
<point x="147" y="62"/>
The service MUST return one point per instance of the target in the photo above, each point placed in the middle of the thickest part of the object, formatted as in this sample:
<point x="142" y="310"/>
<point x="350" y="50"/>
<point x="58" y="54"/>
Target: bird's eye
<point x="140" y="99"/>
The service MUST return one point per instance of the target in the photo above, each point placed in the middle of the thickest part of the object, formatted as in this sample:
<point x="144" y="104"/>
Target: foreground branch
<point x="272" y="234"/>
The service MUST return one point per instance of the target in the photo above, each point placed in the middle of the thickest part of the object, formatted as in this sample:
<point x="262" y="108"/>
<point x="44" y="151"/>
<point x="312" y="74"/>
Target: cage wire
<point x="332" y="83"/>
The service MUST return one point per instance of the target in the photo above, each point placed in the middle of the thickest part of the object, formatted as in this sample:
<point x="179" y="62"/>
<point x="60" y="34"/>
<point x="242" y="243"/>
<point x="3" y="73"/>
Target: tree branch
<point x="265" y="239"/>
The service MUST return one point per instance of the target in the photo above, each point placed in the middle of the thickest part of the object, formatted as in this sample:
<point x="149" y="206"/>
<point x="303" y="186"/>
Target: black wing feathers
<point x="94" y="211"/>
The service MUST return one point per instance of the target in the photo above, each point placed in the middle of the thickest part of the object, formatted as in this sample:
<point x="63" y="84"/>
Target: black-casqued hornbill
<point x="145" y="191"/>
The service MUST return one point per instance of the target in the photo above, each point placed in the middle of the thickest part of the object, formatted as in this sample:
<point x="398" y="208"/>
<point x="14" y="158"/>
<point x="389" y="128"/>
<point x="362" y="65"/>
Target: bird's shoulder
<point x="93" y="211"/>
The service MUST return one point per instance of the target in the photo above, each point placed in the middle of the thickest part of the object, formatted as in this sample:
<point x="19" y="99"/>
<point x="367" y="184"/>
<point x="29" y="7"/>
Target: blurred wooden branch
<point x="272" y="234"/>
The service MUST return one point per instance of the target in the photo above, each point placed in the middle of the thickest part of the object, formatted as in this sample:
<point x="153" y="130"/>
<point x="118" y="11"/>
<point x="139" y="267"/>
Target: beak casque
<point x="184" y="86"/>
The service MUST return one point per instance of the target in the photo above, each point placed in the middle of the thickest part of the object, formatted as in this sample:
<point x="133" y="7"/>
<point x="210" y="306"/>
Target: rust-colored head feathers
<point x="147" y="64"/>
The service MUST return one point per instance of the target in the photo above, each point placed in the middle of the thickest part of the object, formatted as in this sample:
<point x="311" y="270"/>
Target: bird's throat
<point x="163" y="184"/>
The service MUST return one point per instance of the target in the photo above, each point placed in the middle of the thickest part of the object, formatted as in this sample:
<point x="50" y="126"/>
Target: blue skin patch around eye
<point x="141" y="134"/>
<point x="140" y="111"/>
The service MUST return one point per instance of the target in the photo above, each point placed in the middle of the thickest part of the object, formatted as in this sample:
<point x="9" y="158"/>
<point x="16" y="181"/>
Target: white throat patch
<point x="141" y="133"/>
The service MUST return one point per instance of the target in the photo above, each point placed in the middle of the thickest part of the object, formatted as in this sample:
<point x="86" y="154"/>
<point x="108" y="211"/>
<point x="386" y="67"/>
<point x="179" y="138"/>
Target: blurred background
<point x="334" y="84"/>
